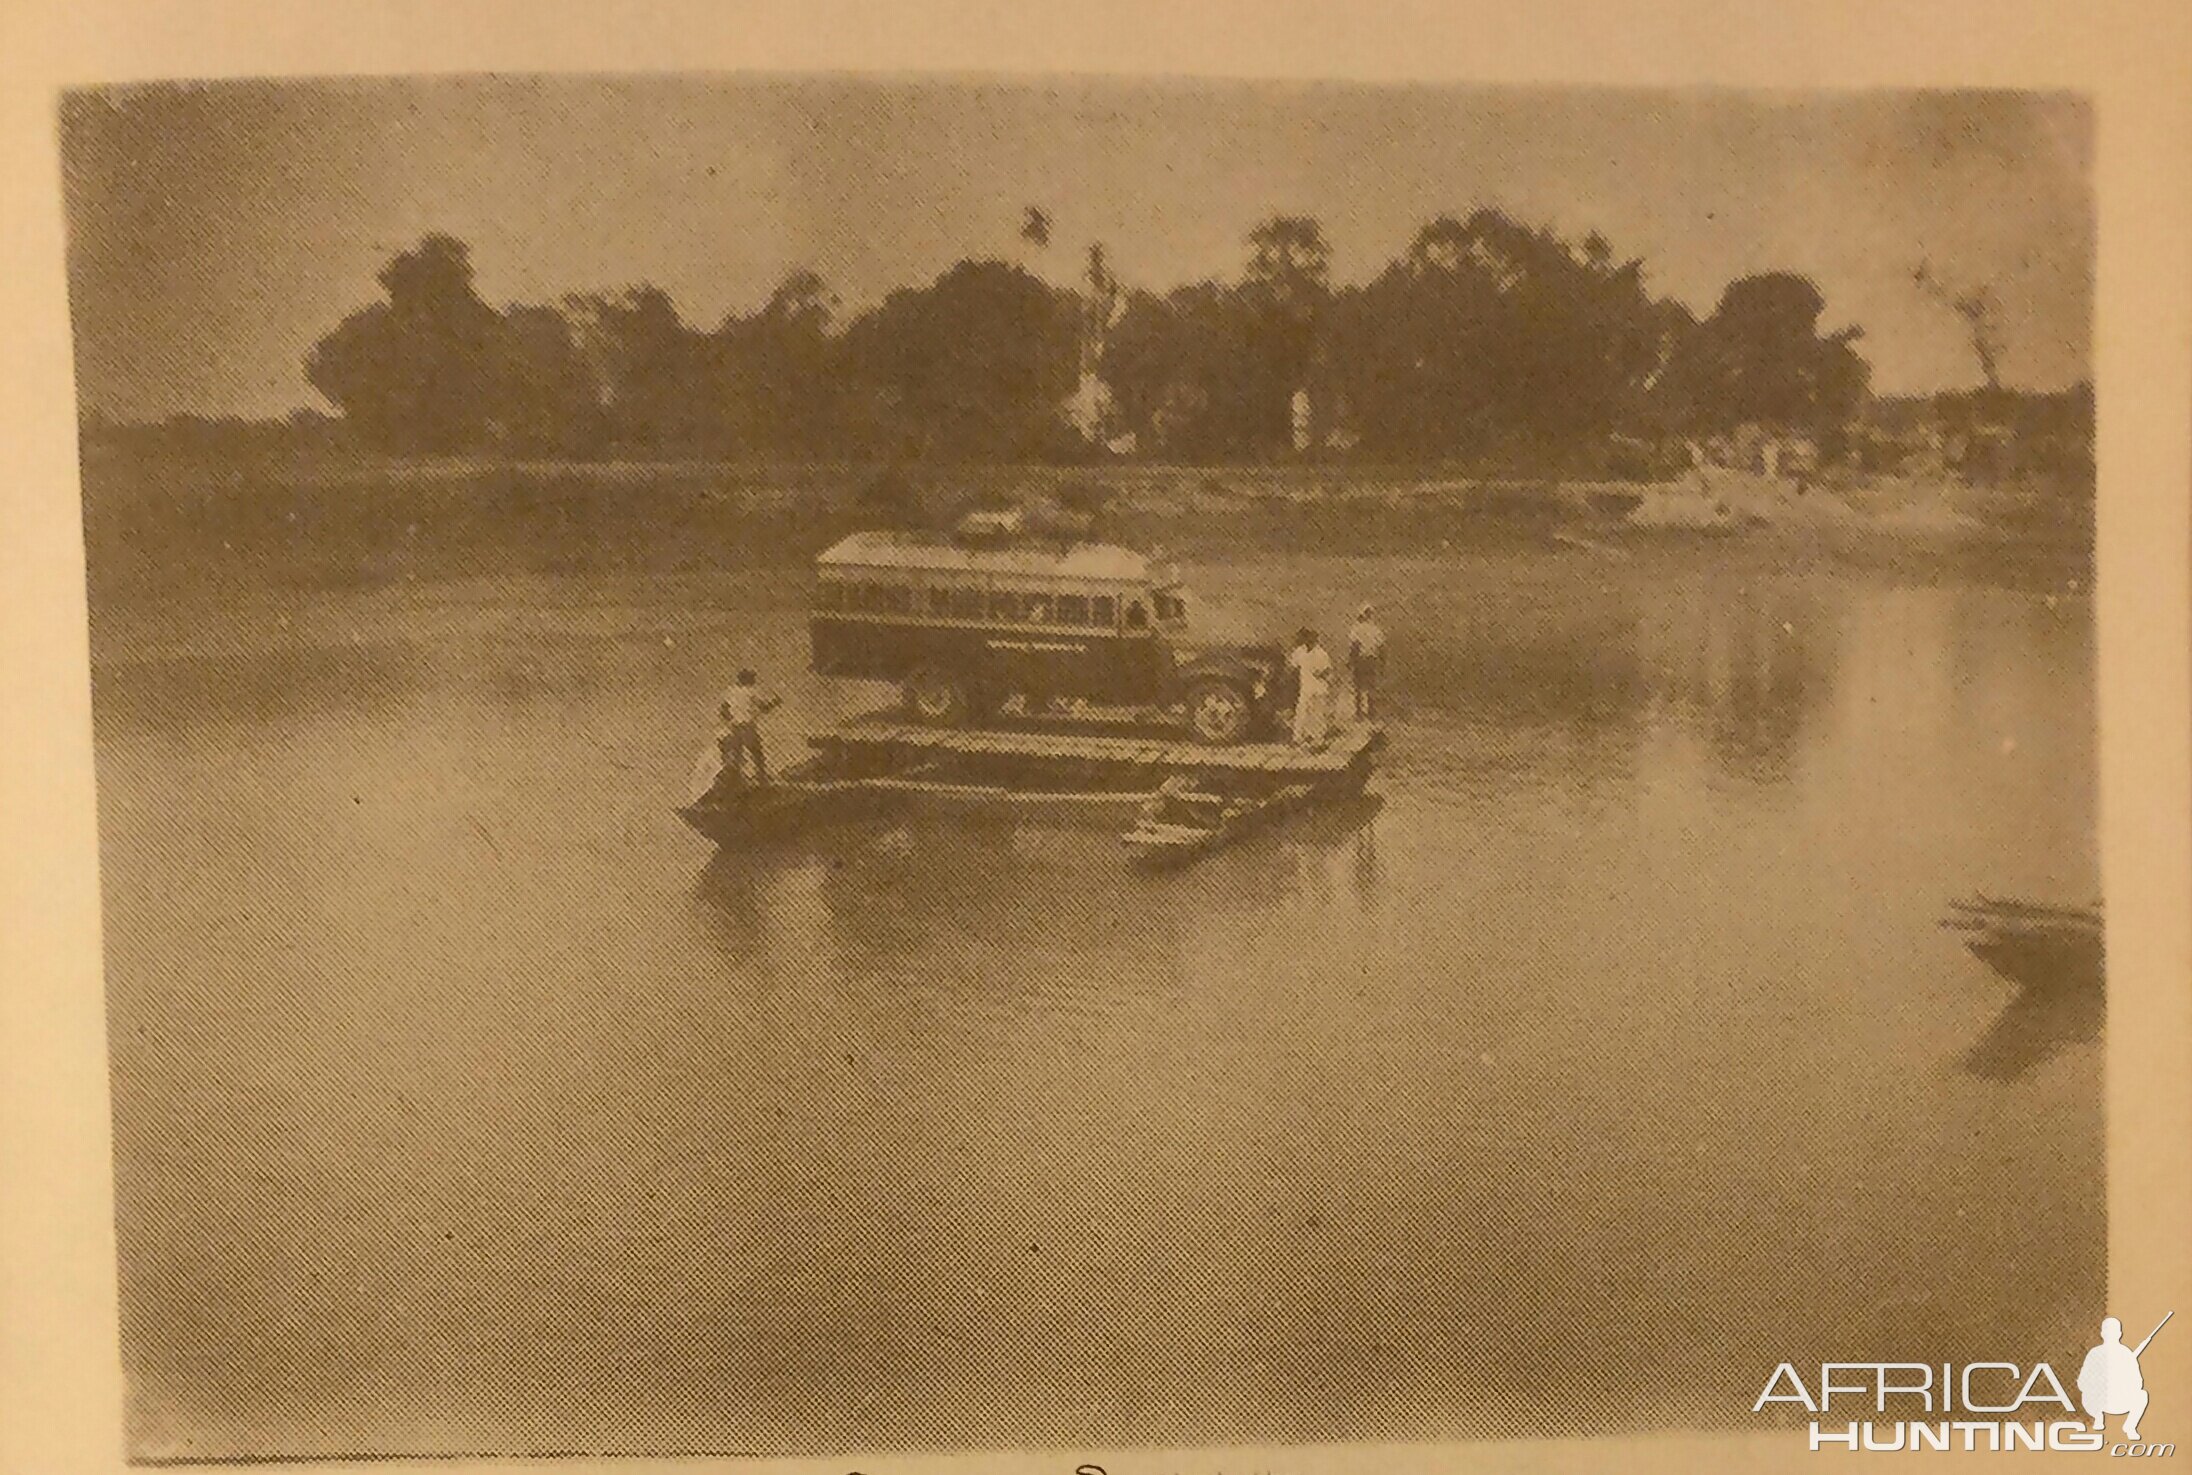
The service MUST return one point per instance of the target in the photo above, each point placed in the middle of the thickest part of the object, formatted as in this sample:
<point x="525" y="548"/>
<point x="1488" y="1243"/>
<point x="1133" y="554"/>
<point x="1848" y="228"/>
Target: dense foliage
<point x="1486" y="337"/>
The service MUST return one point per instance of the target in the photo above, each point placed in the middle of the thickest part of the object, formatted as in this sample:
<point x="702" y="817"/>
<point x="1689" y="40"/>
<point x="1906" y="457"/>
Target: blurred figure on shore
<point x="1312" y="689"/>
<point x="1365" y="654"/>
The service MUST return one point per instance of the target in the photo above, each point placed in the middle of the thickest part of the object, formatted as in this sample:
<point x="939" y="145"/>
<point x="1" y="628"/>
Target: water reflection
<point x="998" y="900"/>
<point x="2031" y="1030"/>
<point x="959" y="1130"/>
<point x="2053" y="956"/>
<point x="1296" y="863"/>
<point x="1364" y="854"/>
<point x="1747" y="668"/>
<point x="732" y="892"/>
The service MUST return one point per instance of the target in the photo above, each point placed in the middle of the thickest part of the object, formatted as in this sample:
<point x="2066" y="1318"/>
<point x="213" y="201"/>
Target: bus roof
<point x="926" y="552"/>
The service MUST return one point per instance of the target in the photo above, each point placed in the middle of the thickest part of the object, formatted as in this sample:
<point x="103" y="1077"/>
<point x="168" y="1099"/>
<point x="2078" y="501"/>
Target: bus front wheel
<point x="1218" y="711"/>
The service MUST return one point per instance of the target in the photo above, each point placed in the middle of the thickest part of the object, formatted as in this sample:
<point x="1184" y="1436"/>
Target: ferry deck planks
<point x="882" y="731"/>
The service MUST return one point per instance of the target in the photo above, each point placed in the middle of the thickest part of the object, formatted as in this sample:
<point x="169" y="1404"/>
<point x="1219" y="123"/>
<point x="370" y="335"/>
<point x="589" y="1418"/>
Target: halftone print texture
<point x="1718" y="466"/>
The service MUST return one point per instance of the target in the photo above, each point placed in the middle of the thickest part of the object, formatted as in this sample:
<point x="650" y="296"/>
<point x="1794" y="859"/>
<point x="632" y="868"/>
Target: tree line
<point x="1485" y="338"/>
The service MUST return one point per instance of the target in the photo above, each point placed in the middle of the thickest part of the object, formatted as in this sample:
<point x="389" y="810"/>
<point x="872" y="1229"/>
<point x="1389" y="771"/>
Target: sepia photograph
<point x="797" y="764"/>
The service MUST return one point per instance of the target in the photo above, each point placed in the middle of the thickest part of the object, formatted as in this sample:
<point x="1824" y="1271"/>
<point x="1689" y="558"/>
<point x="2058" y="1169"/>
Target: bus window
<point x="1104" y="609"/>
<point x="1073" y="609"/>
<point x="968" y="604"/>
<point x="864" y="596"/>
<point x="829" y="594"/>
<point x="1169" y="608"/>
<point x="898" y="599"/>
<point x="940" y="603"/>
<point x="1038" y="609"/>
<point x="1004" y="604"/>
<point x="1137" y="618"/>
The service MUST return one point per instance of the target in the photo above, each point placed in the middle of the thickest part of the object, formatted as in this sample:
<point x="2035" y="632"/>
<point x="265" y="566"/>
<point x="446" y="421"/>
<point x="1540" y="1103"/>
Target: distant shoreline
<point x="165" y="528"/>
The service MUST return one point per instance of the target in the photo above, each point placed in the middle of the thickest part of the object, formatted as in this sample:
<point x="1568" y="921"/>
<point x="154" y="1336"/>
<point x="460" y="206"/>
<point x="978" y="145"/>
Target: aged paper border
<point x="60" y="1394"/>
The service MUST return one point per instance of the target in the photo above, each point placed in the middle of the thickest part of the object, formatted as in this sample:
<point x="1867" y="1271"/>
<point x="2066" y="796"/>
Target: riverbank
<point x="175" y="532"/>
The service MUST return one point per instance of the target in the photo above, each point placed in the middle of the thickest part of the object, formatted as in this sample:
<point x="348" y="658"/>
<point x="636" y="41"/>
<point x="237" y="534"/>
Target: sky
<point x="216" y="231"/>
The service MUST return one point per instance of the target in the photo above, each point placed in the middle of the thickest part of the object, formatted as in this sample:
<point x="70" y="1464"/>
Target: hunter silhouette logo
<point x="2109" y="1383"/>
<point x="1979" y="1406"/>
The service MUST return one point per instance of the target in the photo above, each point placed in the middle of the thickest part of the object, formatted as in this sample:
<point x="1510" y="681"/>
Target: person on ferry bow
<point x="741" y="711"/>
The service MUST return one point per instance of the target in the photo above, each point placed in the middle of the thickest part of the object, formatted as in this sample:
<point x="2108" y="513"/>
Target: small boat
<point x="2055" y="957"/>
<point x="2034" y="945"/>
<point x="1182" y="820"/>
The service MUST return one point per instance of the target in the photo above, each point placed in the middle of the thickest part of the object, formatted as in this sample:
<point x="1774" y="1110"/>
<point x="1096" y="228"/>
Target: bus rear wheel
<point x="1218" y="711"/>
<point x="938" y="698"/>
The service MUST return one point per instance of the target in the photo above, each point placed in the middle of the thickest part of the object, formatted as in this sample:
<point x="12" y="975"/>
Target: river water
<point x="463" y="1104"/>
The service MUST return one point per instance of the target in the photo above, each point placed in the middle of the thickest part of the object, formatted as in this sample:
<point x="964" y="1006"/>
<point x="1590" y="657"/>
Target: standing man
<point x="1312" y="688"/>
<point x="742" y="710"/>
<point x="1365" y="652"/>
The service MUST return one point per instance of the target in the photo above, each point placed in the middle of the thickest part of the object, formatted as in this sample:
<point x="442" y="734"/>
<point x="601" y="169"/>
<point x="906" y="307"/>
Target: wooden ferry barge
<point x="992" y="620"/>
<point x="1174" y="800"/>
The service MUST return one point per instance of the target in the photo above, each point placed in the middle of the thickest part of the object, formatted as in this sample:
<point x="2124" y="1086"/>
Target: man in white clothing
<point x="1312" y="689"/>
